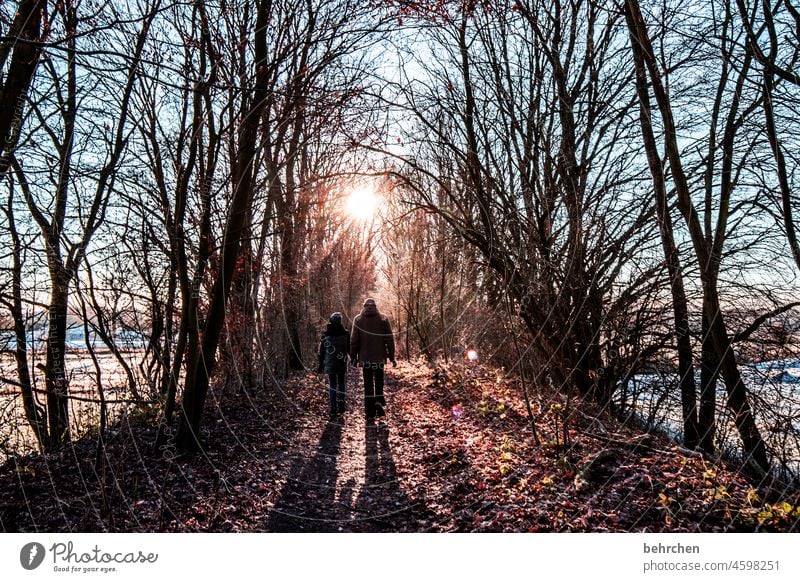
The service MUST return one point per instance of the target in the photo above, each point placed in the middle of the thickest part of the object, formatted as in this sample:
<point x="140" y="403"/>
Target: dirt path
<point x="346" y="477"/>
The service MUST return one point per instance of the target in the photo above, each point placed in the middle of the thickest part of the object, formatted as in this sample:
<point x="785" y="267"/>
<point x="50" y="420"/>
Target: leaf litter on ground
<point x="455" y="453"/>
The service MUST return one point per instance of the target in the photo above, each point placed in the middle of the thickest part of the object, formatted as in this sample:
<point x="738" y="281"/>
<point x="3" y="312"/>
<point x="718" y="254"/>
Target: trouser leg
<point x="332" y="388"/>
<point x="380" y="401"/>
<point x="369" y="391"/>
<point x="340" y="392"/>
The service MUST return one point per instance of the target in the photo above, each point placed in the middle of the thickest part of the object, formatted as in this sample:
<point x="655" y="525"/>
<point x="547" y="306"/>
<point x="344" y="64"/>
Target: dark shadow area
<point x="382" y="504"/>
<point x="307" y="500"/>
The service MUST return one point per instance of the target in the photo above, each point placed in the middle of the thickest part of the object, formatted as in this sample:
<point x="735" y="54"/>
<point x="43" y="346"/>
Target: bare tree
<point x="65" y="254"/>
<point x="691" y="430"/>
<point x="778" y="55"/>
<point x="707" y="245"/>
<point x="35" y="414"/>
<point x="527" y="133"/>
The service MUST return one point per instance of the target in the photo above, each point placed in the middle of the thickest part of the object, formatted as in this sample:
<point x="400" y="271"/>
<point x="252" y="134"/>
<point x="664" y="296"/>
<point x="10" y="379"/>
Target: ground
<point x="456" y="453"/>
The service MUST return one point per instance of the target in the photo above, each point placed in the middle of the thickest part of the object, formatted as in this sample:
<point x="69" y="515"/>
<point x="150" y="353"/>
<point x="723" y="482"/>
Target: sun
<point x="362" y="203"/>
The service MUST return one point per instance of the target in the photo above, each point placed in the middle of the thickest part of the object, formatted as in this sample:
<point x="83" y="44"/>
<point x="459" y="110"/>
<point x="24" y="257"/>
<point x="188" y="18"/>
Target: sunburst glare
<point x="363" y="203"/>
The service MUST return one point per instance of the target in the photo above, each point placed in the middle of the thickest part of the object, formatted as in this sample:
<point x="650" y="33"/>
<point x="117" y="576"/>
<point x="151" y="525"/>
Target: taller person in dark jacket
<point x="333" y="350"/>
<point x="371" y="344"/>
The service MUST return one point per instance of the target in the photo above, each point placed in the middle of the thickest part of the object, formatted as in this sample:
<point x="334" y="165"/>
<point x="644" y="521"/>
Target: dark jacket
<point x="333" y="348"/>
<point x="372" y="341"/>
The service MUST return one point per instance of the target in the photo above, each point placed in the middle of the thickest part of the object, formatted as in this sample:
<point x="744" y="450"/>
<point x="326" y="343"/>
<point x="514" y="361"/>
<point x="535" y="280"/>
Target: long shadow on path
<point x="306" y="503"/>
<point x="382" y="504"/>
<point x="349" y="482"/>
<point x="368" y="499"/>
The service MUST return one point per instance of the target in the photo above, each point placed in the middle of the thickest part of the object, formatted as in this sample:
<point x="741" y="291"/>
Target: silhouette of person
<point x="371" y="344"/>
<point x="333" y="349"/>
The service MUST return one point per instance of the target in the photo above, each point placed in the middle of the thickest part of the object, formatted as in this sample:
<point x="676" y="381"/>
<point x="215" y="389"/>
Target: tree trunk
<point x="57" y="386"/>
<point x="169" y="333"/>
<point x="709" y="373"/>
<point x="755" y="451"/>
<point x="26" y="28"/>
<point x="198" y="375"/>
<point x="680" y="308"/>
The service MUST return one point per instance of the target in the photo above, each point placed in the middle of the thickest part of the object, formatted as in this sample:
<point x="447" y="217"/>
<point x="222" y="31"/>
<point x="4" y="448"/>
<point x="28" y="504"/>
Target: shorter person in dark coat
<point x="333" y="350"/>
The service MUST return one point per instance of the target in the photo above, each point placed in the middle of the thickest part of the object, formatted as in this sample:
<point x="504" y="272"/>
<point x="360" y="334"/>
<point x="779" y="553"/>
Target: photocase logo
<point x="32" y="555"/>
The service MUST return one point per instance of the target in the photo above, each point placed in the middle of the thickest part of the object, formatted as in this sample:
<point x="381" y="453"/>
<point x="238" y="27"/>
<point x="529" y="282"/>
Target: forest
<point x="579" y="216"/>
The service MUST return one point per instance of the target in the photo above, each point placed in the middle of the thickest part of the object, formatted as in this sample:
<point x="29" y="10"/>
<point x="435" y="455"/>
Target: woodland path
<point x="454" y="454"/>
<point x="343" y="474"/>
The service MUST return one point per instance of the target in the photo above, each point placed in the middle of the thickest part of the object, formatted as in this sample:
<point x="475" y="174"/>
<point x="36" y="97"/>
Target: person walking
<point x="371" y="344"/>
<point x="333" y="350"/>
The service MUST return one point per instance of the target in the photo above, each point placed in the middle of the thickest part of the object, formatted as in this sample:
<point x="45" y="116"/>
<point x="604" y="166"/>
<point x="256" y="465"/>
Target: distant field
<point x="774" y="388"/>
<point x="15" y="433"/>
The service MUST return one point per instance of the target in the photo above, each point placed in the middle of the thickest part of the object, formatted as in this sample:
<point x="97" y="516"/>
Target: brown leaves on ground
<point x="456" y="453"/>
